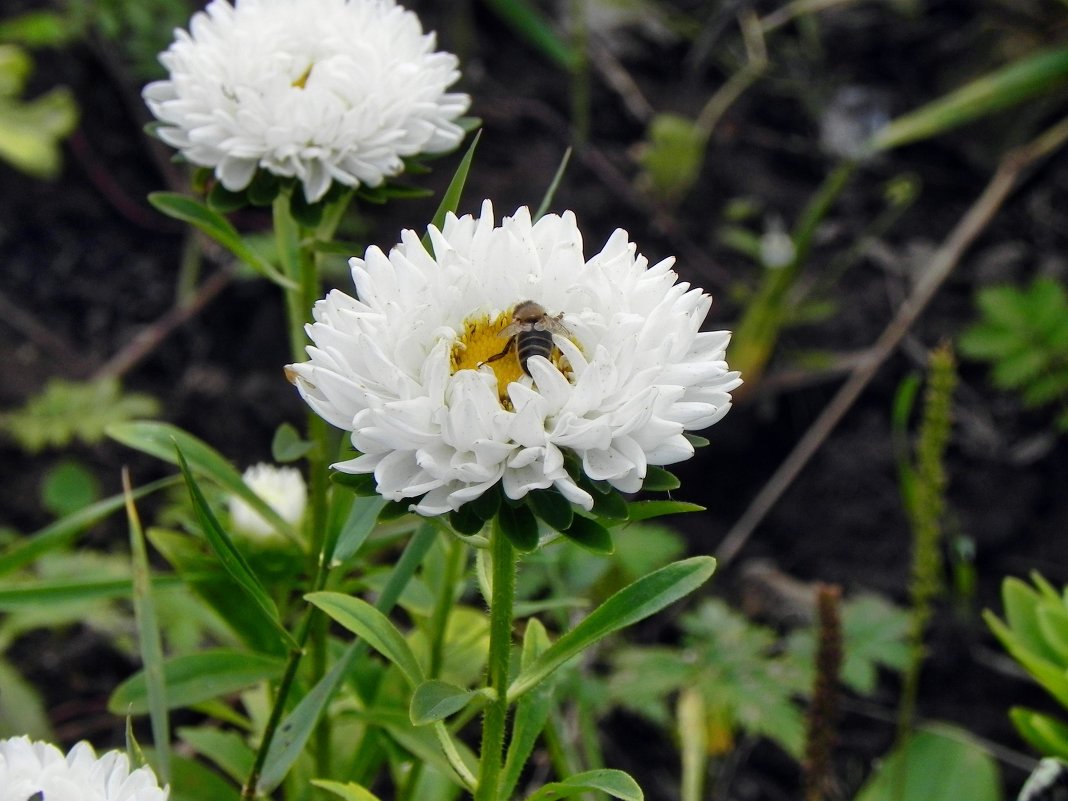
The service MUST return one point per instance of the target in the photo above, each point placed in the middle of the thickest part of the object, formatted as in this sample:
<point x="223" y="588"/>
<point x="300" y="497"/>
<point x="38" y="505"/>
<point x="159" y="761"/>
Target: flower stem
<point x="502" y="600"/>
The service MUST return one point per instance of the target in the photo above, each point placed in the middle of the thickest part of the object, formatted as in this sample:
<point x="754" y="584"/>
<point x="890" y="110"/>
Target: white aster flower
<point x="320" y="90"/>
<point x="409" y="367"/>
<point x="34" y="769"/>
<point x="283" y="489"/>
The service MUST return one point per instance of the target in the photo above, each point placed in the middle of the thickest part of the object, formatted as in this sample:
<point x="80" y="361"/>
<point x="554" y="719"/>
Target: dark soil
<point x="87" y="264"/>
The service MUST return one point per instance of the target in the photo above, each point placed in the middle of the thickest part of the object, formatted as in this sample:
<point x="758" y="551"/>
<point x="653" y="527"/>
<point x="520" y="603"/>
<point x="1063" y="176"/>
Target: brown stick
<point x="947" y="257"/>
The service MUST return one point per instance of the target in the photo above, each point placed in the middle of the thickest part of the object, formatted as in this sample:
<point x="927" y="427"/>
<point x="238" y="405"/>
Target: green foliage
<point x="745" y="681"/>
<point x="69" y="411"/>
<point x="873" y="635"/>
<point x="68" y="487"/>
<point x="1023" y="333"/>
<point x="30" y="131"/>
<point x="941" y="763"/>
<point x="671" y="157"/>
<point x="1035" y="633"/>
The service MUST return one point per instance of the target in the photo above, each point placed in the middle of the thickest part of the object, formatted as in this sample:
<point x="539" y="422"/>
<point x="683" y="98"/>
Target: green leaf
<point x="614" y="782"/>
<point x="363" y="516"/>
<point x="1046" y="734"/>
<point x="62" y="532"/>
<point x="554" y="184"/>
<point x="450" y="201"/>
<point x="519" y="526"/>
<point x="30" y="131"/>
<point x="942" y="763"/>
<point x="696" y="440"/>
<point x="192" y="211"/>
<point x="647" y="510"/>
<point x="66" y="411"/>
<point x="530" y="24"/>
<point x="633" y="603"/>
<point x="43" y="593"/>
<point x="22" y="709"/>
<point x="657" y="479"/>
<point x="192" y="781"/>
<point x="149" y="638"/>
<point x="39" y="29"/>
<point x="296" y="728"/>
<point x="435" y="700"/>
<point x="68" y="487"/>
<point x="288" y="445"/>
<point x="348" y="792"/>
<point x="373" y="627"/>
<point x="1008" y="86"/>
<point x="160" y="439"/>
<point x="230" y="557"/>
<point x="359" y="483"/>
<point x="466" y="521"/>
<point x="552" y="507"/>
<point x="197" y="677"/>
<point x="486" y="504"/>
<point x="590" y="535"/>
<point x="227" y="749"/>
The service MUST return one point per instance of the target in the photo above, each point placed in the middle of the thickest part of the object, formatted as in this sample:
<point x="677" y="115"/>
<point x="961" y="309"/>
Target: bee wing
<point x="510" y="331"/>
<point x="553" y="325"/>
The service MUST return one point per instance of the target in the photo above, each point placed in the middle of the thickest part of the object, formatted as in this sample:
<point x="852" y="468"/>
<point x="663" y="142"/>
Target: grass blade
<point x="159" y="440"/>
<point x="148" y="635"/>
<point x="450" y="201"/>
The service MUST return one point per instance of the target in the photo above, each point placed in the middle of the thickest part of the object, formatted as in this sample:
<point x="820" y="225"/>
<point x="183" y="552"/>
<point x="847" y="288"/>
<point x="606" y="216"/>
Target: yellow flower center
<point x="481" y="341"/>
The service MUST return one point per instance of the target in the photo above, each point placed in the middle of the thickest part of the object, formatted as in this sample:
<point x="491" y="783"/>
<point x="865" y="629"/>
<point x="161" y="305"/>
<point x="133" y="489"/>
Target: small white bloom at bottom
<point x="283" y="489"/>
<point x="30" y="767"/>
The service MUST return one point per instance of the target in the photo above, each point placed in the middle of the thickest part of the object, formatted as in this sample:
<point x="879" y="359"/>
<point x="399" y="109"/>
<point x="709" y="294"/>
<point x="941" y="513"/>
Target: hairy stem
<point x="502" y="599"/>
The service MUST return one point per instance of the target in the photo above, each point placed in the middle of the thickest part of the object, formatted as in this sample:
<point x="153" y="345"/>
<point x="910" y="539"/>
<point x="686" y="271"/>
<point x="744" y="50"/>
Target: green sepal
<point x="263" y="189"/>
<point x="394" y="509"/>
<point x="611" y="505"/>
<point x="307" y="214"/>
<point x="465" y="520"/>
<point x="358" y="483"/>
<point x="696" y="440"/>
<point x="657" y="479"/>
<point x="519" y="526"/>
<point x="590" y="535"/>
<point x="487" y="504"/>
<point x="225" y="201"/>
<point x="552" y="507"/>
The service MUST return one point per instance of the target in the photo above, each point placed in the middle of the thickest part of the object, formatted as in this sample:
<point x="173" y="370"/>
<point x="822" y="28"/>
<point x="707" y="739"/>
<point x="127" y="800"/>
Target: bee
<point x="530" y="333"/>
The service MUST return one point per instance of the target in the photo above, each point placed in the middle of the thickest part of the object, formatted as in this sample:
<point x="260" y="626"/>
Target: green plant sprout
<point x="31" y="131"/>
<point x="1023" y="333"/>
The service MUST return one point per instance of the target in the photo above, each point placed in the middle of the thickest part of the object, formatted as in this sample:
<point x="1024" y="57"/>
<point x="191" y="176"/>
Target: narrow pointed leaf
<point x="192" y="211"/>
<point x="62" y="532"/>
<point x="614" y="782"/>
<point x="637" y="601"/>
<point x="435" y="700"/>
<point x="554" y="184"/>
<point x="450" y="201"/>
<point x="296" y="728"/>
<point x="1013" y="84"/>
<point x="230" y="557"/>
<point x="373" y="627"/>
<point x="197" y="677"/>
<point x="346" y="792"/>
<point x="148" y="635"/>
<point x="647" y="510"/>
<point x="159" y="439"/>
<point x="358" y="526"/>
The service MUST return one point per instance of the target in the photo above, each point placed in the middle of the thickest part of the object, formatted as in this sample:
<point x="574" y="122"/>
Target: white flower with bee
<point x="442" y="371"/>
<point x="321" y="90"/>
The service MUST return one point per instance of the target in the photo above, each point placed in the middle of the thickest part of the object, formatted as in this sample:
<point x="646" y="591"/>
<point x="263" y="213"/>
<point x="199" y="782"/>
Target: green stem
<point x="502" y="600"/>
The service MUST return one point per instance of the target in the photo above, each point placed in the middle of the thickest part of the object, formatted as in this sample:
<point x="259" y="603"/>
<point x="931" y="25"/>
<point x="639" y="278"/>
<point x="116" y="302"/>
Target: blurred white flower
<point x="323" y="90"/>
<point x="407" y="368"/>
<point x="35" y="769"/>
<point x="284" y="490"/>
